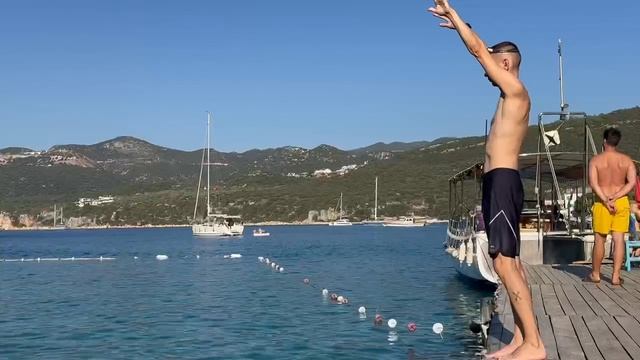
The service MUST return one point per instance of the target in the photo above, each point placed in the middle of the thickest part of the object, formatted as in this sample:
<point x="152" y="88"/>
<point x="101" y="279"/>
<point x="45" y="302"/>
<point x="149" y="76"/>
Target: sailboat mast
<point x="340" y="205"/>
<point x="208" y="163"/>
<point x="55" y="215"/>
<point x="375" y="209"/>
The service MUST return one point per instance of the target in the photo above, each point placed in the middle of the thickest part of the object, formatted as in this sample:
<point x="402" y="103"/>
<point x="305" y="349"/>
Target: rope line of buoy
<point x="392" y="324"/>
<point x="73" y="258"/>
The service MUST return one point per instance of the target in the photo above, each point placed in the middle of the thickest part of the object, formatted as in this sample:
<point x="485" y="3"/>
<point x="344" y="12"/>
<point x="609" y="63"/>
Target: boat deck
<point x="577" y="320"/>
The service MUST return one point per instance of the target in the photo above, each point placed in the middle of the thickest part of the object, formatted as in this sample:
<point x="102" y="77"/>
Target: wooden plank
<point x="562" y="298"/>
<point x="552" y="274"/>
<point x="536" y="298"/>
<point x="568" y="277"/>
<point x="609" y="305"/>
<point x="568" y="345"/>
<point x="577" y="302"/>
<point x="630" y="325"/>
<point x="543" y="276"/>
<point x="606" y="342"/>
<point x="549" y="340"/>
<point x="590" y="300"/>
<point x="627" y="342"/>
<point x="587" y="343"/>
<point x="550" y="300"/>
<point x="532" y="277"/>
<point x="631" y="310"/>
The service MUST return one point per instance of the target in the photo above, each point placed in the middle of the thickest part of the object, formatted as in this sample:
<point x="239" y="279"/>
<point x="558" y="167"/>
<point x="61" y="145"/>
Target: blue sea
<point x="199" y="305"/>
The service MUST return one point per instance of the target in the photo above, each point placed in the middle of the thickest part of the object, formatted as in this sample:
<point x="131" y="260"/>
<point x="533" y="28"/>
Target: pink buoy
<point x="412" y="327"/>
<point x="378" y="320"/>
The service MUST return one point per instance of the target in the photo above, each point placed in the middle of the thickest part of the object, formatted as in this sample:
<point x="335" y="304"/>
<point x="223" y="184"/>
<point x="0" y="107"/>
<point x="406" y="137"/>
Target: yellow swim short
<point x="605" y="222"/>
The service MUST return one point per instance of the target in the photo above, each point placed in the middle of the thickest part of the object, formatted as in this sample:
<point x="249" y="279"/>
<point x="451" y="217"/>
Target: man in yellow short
<point x="612" y="175"/>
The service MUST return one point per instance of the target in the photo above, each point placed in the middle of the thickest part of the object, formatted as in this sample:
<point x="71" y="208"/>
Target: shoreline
<point x="108" y="227"/>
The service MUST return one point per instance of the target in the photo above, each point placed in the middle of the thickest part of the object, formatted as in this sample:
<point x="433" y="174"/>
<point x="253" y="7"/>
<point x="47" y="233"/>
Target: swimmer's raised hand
<point x="442" y="10"/>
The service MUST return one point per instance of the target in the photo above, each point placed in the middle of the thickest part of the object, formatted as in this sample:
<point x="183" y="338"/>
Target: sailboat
<point x="58" y="223"/>
<point x="375" y="221"/>
<point x="341" y="221"/>
<point x="214" y="225"/>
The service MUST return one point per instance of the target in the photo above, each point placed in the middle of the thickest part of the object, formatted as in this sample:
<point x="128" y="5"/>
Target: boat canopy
<point x="567" y="166"/>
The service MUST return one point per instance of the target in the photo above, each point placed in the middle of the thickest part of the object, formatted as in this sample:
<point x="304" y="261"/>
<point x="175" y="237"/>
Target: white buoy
<point x="267" y="261"/>
<point x="438" y="328"/>
<point x="340" y="298"/>
<point x="260" y="258"/>
<point x="325" y="292"/>
<point x="392" y="323"/>
<point x="273" y="265"/>
<point x="135" y="258"/>
<point x="161" y="257"/>
<point x="197" y="256"/>
<point x="236" y="256"/>
<point x="281" y="269"/>
<point x="362" y="310"/>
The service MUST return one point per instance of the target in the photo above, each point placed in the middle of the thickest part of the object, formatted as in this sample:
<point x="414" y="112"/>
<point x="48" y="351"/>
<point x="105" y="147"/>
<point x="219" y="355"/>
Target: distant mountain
<point x="14" y="151"/>
<point x="155" y="184"/>
<point x="392" y="147"/>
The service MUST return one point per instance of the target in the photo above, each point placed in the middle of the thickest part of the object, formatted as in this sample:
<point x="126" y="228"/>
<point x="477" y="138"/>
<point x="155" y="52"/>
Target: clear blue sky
<point x="290" y="72"/>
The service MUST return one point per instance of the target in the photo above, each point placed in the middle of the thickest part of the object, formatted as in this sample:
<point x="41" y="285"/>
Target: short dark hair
<point x="506" y="47"/>
<point x="612" y="136"/>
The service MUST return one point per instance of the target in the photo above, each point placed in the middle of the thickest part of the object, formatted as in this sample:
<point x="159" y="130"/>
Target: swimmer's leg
<point x="517" y="339"/>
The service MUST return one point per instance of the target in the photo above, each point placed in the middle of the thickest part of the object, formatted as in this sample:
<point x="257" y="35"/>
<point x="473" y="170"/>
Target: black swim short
<point x="502" y="200"/>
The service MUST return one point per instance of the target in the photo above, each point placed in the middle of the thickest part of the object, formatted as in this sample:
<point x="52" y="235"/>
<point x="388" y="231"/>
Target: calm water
<point x="213" y="307"/>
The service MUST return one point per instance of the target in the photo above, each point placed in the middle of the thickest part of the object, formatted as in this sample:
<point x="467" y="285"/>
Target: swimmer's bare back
<point x="612" y="170"/>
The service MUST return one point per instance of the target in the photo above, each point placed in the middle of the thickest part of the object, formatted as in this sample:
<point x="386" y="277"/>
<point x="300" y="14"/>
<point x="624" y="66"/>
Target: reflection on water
<point x="199" y="304"/>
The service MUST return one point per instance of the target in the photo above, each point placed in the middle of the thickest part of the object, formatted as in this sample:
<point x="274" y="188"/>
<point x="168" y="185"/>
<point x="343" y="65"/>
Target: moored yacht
<point x="403" y="222"/>
<point x="341" y="220"/>
<point x="213" y="225"/>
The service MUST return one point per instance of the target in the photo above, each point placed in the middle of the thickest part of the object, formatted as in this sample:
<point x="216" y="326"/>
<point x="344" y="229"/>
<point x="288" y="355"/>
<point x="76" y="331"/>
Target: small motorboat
<point x="260" y="232"/>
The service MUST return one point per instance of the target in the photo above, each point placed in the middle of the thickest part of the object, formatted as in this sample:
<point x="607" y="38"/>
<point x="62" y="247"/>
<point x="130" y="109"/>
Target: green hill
<point x="157" y="185"/>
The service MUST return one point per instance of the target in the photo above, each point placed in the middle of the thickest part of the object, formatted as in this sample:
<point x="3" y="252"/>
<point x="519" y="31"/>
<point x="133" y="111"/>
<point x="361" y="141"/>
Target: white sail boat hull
<point x="341" y="223"/>
<point x="217" y="230"/>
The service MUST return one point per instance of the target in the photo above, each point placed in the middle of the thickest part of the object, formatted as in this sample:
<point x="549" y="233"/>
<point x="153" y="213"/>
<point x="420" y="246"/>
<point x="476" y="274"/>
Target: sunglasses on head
<point x="503" y="51"/>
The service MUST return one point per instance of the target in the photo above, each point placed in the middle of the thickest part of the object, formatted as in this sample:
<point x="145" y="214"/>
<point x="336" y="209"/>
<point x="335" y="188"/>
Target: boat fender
<point x="161" y="257"/>
<point x="462" y="253"/>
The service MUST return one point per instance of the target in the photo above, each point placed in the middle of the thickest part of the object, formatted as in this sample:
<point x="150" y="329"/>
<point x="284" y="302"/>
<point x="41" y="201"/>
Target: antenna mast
<point x="564" y="107"/>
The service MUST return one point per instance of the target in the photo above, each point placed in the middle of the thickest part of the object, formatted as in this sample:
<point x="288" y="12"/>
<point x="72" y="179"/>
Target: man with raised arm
<point x="612" y="175"/>
<point x="502" y="193"/>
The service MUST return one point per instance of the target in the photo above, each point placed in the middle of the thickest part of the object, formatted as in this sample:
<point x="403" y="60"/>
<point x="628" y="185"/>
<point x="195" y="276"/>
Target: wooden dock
<point x="577" y="320"/>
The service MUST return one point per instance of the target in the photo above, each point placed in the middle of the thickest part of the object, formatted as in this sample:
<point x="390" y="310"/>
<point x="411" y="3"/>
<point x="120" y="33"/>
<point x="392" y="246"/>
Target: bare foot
<point x="592" y="279"/>
<point x="506" y="350"/>
<point x="617" y="282"/>
<point x="526" y="351"/>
